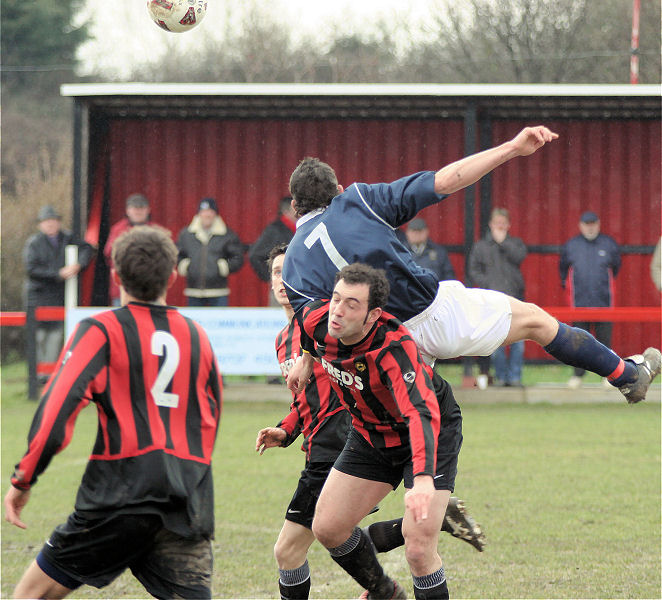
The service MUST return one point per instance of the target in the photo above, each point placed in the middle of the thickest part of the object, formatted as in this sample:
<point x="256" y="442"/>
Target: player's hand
<point x="269" y="437"/>
<point x="531" y="139"/>
<point x="15" y="500"/>
<point x="300" y="373"/>
<point x="69" y="271"/>
<point x="498" y="234"/>
<point x="419" y="497"/>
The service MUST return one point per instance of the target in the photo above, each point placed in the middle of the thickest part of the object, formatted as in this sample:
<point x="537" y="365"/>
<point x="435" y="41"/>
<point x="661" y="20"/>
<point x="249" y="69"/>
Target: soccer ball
<point x="177" y="15"/>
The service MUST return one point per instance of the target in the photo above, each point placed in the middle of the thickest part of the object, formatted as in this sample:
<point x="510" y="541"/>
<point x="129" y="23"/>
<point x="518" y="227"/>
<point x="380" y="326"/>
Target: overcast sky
<point x="124" y="34"/>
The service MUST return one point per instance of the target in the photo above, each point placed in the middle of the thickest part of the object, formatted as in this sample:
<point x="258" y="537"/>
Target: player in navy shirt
<point x="317" y="414"/>
<point x="338" y="227"/>
<point x="406" y="425"/>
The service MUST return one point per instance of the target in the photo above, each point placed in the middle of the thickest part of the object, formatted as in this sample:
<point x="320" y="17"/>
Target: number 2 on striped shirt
<point x="165" y="344"/>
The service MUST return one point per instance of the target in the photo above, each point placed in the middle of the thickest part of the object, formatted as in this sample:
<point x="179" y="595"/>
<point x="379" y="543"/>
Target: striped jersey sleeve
<point x="67" y="393"/>
<point x="316" y="412"/>
<point x="408" y="378"/>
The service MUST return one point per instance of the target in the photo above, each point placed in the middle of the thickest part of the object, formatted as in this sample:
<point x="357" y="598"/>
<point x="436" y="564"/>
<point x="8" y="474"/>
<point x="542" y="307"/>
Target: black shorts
<point x="392" y="465"/>
<point x="96" y="551"/>
<point x="302" y="506"/>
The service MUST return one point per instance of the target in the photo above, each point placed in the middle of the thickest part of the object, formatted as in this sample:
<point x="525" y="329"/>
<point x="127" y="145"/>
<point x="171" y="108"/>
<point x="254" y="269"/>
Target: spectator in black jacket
<point x="589" y="262"/>
<point x="44" y="260"/>
<point x="208" y="252"/>
<point x="494" y="264"/>
<point x="277" y="232"/>
<point x="427" y="254"/>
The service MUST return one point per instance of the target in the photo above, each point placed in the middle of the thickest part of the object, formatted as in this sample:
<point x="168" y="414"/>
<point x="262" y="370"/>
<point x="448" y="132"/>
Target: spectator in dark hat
<point x="137" y="213"/>
<point x="208" y="252"/>
<point x="44" y="258"/>
<point x="275" y="233"/>
<point x="426" y="253"/>
<point x="589" y="262"/>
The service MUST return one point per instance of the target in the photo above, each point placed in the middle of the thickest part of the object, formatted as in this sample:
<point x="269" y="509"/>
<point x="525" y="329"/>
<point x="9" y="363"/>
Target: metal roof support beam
<point x="486" y="182"/>
<point x="470" y="127"/>
<point x="77" y="168"/>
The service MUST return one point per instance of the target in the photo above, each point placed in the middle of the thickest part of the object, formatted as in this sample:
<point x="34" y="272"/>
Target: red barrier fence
<point x="29" y="320"/>
<point x="623" y="314"/>
<point x="42" y="313"/>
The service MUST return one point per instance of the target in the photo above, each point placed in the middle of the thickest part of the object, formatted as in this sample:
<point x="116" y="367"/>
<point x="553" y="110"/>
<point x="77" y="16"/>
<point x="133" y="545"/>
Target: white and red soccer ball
<point x="177" y="15"/>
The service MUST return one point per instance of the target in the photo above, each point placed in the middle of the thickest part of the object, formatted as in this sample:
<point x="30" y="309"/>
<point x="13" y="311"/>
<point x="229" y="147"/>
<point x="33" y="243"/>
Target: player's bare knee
<point x="417" y="551"/>
<point x="543" y="326"/>
<point x="530" y="322"/>
<point x="420" y="542"/>
<point x="326" y="534"/>
<point x="280" y="551"/>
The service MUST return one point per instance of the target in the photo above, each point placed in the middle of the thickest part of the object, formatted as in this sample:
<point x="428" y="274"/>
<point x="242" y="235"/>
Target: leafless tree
<point x="535" y="41"/>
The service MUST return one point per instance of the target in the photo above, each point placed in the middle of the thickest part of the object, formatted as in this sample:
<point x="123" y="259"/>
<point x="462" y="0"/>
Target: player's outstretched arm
<point x="269" y="437"/>
<point x="15" y="500"/>
<point x="470" y="169"/>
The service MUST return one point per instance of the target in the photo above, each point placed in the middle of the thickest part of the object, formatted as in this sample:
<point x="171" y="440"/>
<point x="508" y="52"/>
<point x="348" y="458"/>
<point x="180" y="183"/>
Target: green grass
<point x="569" y="497"/>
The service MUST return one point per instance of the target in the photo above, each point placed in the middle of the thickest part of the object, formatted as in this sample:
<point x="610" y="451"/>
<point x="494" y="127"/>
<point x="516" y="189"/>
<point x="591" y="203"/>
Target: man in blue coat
<point x="589" y="263"/>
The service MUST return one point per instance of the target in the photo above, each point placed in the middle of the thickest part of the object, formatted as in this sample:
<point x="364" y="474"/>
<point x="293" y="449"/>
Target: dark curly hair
<point x="144" y="258"/>
<point x="277" y="250"/>
<point x="313" y="184"/>
<point x="378" y="285"/>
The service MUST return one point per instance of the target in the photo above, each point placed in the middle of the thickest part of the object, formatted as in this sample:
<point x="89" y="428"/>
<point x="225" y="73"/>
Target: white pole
<point x="634" y="45"/>
<point x="71" y="284"/>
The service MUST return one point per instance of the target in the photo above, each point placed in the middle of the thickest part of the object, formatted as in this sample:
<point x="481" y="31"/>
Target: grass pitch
<point x="569" y="497"/>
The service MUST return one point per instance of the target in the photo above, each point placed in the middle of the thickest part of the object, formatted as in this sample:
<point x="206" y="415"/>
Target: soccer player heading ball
<point x="338" y="227"/>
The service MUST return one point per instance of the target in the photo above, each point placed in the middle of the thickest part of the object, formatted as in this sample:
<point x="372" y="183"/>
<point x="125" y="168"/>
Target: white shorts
<point x="461" y="322"/>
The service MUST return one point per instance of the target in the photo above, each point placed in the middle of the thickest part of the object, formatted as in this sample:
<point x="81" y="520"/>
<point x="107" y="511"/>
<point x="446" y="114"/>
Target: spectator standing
<point x="494" y="264"/>
<point x="208" y="252"/>
<point x="426" y="253"/>
<point x="146" y="499"/>
<point x="277" y="232"/>
<point x="137" y="213"/>
<point x="589" y="262"/>
<point x="44" y="258"/>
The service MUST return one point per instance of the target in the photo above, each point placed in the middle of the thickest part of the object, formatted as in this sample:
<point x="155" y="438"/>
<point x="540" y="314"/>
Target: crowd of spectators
<point x="209" y="251"/>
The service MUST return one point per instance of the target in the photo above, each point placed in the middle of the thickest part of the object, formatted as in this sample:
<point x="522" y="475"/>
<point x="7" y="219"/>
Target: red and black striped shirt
<point x="316" y="412"/>
<point x="382" y="381"/>
<point x="154" y="379"/>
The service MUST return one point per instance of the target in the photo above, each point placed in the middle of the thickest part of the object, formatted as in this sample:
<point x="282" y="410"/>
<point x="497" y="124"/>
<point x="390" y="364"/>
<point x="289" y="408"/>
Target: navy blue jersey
<point x="360" y="226"/>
